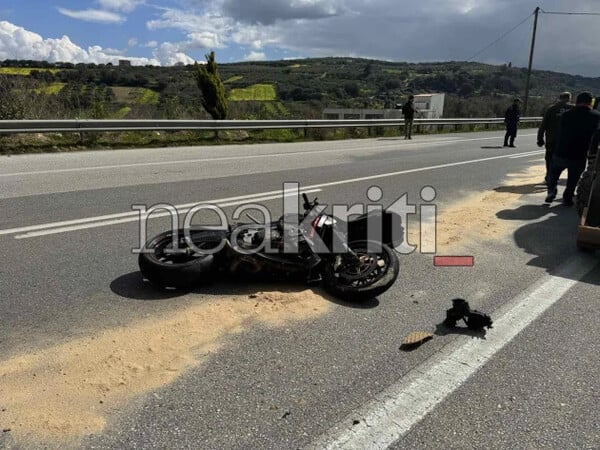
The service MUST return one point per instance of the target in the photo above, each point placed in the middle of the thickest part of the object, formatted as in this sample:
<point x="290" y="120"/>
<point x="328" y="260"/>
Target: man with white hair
<point x="548" y="131"/>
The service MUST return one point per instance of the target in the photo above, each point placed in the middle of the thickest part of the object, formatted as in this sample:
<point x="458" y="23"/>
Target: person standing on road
<point x="512" y="119"/>
<point x="408" y="111"/>
<point x="575" y="132"/>
<point x="548" y="131"/>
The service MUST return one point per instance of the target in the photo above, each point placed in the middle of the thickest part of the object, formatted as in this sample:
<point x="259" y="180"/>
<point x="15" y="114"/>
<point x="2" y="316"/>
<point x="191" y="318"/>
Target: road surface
<point x="93" y="357"/>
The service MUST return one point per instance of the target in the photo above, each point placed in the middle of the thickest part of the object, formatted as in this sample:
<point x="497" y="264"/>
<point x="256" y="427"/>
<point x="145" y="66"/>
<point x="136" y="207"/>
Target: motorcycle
<point x="346" y="263"/>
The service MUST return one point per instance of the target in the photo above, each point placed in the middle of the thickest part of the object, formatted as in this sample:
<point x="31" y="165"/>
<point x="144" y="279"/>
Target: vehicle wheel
<point x="377" y="272"/>
<point x="178" y="270"/>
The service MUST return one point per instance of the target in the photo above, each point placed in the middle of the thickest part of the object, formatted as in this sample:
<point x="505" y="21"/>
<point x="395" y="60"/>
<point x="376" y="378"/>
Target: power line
<point x="566" y="13"/>
<point x="500" y="38"/>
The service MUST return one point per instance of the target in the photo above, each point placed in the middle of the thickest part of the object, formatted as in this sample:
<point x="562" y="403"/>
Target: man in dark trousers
<point x="408" y="111"/>
<point x="575" y="132"/>
<point x="548" y="131"/>
<point x="512" y="119"/>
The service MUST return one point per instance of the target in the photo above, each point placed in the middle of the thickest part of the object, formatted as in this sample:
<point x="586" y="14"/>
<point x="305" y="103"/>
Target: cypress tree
<point x="210" y="84"/>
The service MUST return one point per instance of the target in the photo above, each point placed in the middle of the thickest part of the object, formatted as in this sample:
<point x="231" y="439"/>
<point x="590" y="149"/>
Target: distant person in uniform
<point x="512" y="119"/>
<point x="548" y="131"/>
<point x="575" y="132"/>
<point x="408" y="111"/>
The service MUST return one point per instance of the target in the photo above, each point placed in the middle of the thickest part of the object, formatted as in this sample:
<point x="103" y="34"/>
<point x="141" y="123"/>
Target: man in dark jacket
<point x="512" y="119"/>
<point x="408" y="111"/>
<point x="575" y="132"/>
<point x="548" y="131"/>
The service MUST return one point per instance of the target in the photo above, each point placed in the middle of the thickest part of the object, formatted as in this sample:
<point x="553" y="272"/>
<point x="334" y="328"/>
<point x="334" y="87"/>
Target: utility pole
<point x="535" y="21"/>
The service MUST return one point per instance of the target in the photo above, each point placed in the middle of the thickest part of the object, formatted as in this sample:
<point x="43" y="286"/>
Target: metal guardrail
<point x="56" y="126"/>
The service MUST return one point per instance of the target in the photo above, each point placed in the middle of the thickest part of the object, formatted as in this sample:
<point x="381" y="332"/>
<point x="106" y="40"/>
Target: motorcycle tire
<point x="364" y="289"/>
<point x="178" y="271"/>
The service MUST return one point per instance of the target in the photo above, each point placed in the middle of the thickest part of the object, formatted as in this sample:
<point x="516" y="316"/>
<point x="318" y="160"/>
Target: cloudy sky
<point x="169" y="31"/>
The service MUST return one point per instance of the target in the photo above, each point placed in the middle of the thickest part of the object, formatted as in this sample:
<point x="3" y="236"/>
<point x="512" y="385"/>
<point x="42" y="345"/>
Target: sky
<point x="183" y="31"/>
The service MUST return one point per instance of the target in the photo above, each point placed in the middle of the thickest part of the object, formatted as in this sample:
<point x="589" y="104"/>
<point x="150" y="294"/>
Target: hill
<point x="270" y="89"/>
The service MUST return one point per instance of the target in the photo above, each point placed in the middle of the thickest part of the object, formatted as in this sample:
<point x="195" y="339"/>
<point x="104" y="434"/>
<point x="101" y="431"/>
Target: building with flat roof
<point x="429" y="106"/>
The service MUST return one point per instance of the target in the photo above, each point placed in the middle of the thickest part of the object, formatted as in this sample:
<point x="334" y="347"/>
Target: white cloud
<point x="170" y="54"/>
<point x="151" y="44"/>
<point x="204" y="39"/>
<point x="132" y="42"/>
<point x="18" y="43"/>
<point x="121" y="5"/>
<point x="93" y="15"/>
<point x="255" y="56"/>
<point x="190" y="22"/>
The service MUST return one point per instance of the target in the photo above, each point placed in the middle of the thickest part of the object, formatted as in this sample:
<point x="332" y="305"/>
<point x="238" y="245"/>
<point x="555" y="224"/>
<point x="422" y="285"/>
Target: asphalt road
<point x="288" y="375"/>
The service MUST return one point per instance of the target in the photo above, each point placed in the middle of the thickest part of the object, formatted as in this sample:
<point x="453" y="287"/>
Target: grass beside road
<point x="66" y="142"/>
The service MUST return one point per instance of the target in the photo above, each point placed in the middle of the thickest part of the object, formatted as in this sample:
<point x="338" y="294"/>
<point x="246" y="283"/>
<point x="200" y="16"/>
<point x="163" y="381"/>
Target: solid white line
<point x="402" y="172"/>
<point x="524" y="155"/>
<point x="399" y="408"/>
<point x="233" y="158"/>
<point x="135" y="214"/>
<point x="126" y="217"/>
<point x="180" y="211"/>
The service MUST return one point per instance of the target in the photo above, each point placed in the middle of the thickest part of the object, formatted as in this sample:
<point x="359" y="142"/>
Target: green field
<point x="24" y="70"/>
<point x="276" y="110"/>
<point x="233" y="79"/>
<point x="51" y="89"/>
<point x="121" y="113"/>
<point x="147" y="97"/>
<point x="256" y="92"/>
<point x="135" y="96"/>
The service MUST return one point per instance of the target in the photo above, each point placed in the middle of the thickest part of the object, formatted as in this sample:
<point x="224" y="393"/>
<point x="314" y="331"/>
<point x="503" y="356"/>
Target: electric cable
<point x="500" y="38"/>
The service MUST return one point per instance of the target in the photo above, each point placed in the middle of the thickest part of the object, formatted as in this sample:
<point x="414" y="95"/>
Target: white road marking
<point x="399" y="408"/>
<point x="524" y="155"/>
<point x="114" y="219"/>
<point x="182" y="209"/>
<point x="128" y="214"/>
<point x="403" y="172"/>
<point x="232" y="158"/>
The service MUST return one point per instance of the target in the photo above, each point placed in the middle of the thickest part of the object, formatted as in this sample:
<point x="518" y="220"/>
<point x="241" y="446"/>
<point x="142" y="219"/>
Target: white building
<point x="429" y="106"/>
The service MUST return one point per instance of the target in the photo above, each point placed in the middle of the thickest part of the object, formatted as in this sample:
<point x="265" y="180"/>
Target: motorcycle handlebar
<point x="308" y="205"/>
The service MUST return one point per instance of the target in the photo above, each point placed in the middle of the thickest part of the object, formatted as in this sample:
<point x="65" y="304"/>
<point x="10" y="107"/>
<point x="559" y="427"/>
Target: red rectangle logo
<point x="453" y="261"/>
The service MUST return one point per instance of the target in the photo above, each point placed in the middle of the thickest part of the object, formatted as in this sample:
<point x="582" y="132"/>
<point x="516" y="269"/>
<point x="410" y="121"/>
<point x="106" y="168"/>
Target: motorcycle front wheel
<point x="184" y="268"/>
<point x="363" y="281"/>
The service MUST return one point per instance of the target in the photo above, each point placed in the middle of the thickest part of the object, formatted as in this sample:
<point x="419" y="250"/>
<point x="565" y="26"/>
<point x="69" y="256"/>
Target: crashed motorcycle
<point x="338" y="255"/>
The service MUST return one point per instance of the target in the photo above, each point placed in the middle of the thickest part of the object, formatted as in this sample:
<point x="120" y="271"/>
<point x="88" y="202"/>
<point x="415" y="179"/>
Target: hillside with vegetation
<point x="268" y="90"/>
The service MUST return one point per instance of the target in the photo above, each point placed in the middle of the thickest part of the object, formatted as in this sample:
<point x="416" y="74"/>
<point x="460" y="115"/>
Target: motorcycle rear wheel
<point x="376" y="274"/>
<point x="179" y="271"/>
